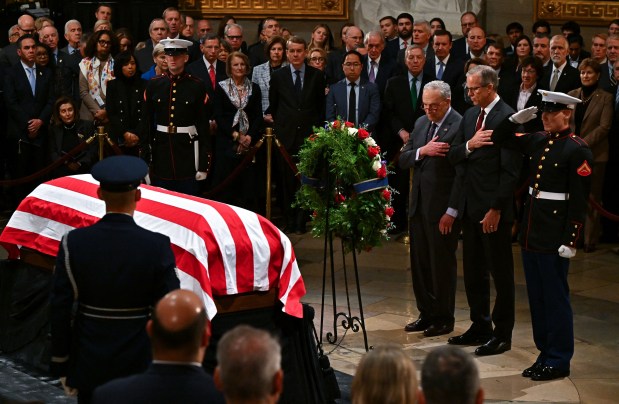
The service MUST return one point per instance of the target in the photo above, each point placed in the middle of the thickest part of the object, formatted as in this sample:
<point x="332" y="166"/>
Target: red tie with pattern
<point x="211" y="73"/>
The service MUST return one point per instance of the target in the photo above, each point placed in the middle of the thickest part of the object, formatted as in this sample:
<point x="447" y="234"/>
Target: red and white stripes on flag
<point x="220" y="249"/>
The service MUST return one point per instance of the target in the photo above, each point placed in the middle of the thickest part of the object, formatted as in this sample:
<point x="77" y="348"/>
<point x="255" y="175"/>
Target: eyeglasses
<point x="353" y="65"/>
<point x="472" y="89"/>
<point x="317" y="59"/>
<point x="104" y="42"/>
<point x="235" y="37"/>
<point x="432" y="107"/>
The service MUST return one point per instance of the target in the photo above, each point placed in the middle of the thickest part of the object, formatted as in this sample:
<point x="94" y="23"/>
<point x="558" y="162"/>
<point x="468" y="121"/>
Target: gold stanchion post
<point x="269" y="137"/>
<point x="101" y="135"/>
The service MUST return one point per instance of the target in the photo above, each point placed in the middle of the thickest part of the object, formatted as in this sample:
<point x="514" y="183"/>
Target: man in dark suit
<point x="28" y="96"/>
<point x="421" y="38"/>
<point x="559" y="76"/>
<point x="157" y="30"/>
<point x="352" y="40"/>
<point x="513" y="30"/>
<point x="576" y="50"/>
<point x="488" y="177"/>
<point x="434" y="200"/>
<point x="114" y="271"/>
<point x="270" y="28"/>
<point x="377" y="69"/>
<point x="444" y="66"/>
<point x="366" y="110"/>
<point x="405" y="36"/>
<point x="179" y="332"/>
<point x="210" y="70"/>
<point x="297" y="104"/>
<point x="403" y="100"/>
<point x="73" y="35"/>
<point x="460" y="47"/>
<point x="506" y="72"/>
<point x="65" y="68"/>
<point x="9" y="56"/>
<point x="607" y="80"/>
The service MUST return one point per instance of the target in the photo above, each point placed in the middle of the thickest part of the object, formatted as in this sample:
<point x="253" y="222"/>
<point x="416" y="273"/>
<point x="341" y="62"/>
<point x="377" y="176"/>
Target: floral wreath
<point x="342" y="173"/>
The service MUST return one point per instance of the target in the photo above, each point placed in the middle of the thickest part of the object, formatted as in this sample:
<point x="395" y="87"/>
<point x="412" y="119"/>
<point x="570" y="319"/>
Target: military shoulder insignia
<point x="584" y="170"/>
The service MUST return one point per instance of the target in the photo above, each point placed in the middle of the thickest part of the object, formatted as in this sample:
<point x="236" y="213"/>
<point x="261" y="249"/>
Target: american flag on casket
<point x="220" y="249"/>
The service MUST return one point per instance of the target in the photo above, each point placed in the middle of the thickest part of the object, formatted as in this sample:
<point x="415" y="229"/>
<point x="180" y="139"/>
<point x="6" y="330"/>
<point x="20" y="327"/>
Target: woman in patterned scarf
<point x="96" y="69"/>
<point x="238" y="112"/>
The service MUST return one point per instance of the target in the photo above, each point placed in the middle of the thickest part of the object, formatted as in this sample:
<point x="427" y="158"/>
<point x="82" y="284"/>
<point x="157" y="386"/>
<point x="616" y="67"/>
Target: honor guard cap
<point x="120" y="173"/>
<point x="173" y="47"/>
<point x="553" y="101"/>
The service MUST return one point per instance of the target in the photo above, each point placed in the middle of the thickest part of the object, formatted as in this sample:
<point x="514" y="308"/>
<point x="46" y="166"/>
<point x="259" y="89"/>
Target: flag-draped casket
<point x="220" y="249"/>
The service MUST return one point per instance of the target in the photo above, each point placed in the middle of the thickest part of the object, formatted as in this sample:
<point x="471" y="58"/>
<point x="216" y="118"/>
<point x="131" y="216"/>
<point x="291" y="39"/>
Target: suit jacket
<point x="161" y="383"/>
<point x="434" y="186"/>
<point x="112" y="265"/>
<point x="144" y="57"/>
<point x="198" y="69"/>
<point x="295" y="118"/>
<point x="458" y="48"/>
<point x="256" y="54"/>
<point x="334" y="70"/>
<point x="66" y="76"/>
<point x="490" y="173"/>
<point x="596" y="122"/>
<point x="452" y="73"/>
<point x="391" y="49"/>
<point x="401" y="62"/>
<point x="368" y="100"/>
<point x="22" y="106"/>
<point x="568" y="81"/>
<point x="386" y="69"/>
<point x="9" y="56"/>
<point x="400" y="109"/>
<point x="262" y="76"/>
<point x="604" y="82"/>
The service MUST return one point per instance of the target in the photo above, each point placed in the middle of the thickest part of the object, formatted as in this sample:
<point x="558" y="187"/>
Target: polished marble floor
<point x="388" y="303"/>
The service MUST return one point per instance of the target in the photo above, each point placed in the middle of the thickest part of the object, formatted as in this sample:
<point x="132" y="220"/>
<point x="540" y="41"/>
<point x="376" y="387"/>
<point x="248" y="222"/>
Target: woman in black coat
<point x="238" y="112"/>
<point x="66" y="132"/>
<point x="125" y="97"/>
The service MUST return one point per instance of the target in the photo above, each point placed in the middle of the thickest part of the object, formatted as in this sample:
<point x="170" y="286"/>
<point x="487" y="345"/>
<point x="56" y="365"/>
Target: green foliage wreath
<point x="342" y="173"/>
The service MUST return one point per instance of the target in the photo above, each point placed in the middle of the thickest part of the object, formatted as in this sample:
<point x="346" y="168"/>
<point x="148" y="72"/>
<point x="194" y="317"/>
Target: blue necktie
<point x="441" y="69"/>
<point x="32" y="78"/>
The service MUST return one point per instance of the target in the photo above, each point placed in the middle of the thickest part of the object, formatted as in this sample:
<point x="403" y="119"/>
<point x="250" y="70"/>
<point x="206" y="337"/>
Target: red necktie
<point x="480" y="120"/>
<point x="211" y="73"/>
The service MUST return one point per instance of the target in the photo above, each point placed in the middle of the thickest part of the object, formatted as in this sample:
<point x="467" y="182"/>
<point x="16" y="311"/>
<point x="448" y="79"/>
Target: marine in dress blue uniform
<point x="178" y="130"/>
<point x="554" y="213"/>
<point x="107" y="277"/>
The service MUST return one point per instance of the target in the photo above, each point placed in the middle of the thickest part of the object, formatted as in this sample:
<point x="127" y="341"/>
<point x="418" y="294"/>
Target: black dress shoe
<point x="469" y="338"/>
<point x="494" y="347"/>
<point x="438" y="329"/>
<point x="418" y="325"/>
<point x="549" y="373"/>
<point x="528" y="372"/>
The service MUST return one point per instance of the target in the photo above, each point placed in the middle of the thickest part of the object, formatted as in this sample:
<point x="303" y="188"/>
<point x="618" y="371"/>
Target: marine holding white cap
<point x="177" y="133"/>
<point x="552" y="224"/>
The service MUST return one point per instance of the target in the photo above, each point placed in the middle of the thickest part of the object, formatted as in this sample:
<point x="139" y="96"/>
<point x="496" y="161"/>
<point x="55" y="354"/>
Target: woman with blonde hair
<point x="321" y="38"/>
<point x="385" y="375"/>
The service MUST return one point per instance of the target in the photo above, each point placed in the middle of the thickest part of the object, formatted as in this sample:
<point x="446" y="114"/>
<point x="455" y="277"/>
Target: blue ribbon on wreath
<point x="370" y="185"/>
<point x="312" y="182"/>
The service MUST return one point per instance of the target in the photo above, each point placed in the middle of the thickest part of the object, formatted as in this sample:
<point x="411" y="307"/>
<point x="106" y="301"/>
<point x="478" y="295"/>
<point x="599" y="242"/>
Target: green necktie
<point x="414" y="93"/>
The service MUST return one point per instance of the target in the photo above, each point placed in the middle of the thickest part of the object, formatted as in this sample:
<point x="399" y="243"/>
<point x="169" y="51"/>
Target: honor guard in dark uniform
<point x="178" y="124"/>
<point x="554" y="213"/>
<point x="106" y="279"/>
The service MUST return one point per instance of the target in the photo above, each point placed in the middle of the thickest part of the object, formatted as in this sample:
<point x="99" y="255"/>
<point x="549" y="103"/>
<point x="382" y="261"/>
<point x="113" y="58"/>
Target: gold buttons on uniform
<point x="554" y="211"/>
<point x="546" y="149"/>
<point x="539" y="166"/>
<point x="551" y="142"/>
<point x="543" y="157"/>
<point x="172" y="107"/>
<point x="537" y="176"/>
<point x="536" y="185"/>
<point x="173" y="99"/>
<point x="556" y="164"/>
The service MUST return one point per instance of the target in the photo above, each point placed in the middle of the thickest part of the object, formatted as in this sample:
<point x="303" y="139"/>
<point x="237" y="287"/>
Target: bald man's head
<point x="179" y="329"/>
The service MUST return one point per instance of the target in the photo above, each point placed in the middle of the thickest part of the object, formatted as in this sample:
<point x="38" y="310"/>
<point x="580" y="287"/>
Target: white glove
<point x="524" y="116"/>
<point x="567" y="252"/>
<point x="68" y="391"/>
<point x="147" y="179"/>
<point x="200" y="175"/>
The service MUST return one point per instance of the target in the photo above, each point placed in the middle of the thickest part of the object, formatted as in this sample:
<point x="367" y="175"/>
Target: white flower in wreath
<point x="376" y="164"/>
<point x="353" y="131"/>
<point x="370" y="141"/>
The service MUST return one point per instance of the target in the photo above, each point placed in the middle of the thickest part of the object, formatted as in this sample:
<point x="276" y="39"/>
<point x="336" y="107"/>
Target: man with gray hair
<point x="487" y="177"/>
<point x="376" y="68"/>
<point x="233" y="34"/>
<point x="73" y="34"/>
<point x="449" y="376"/>
<point x="249" y="366"/>
<point x="158" y="30"/>
<point x="434" y="227"/>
